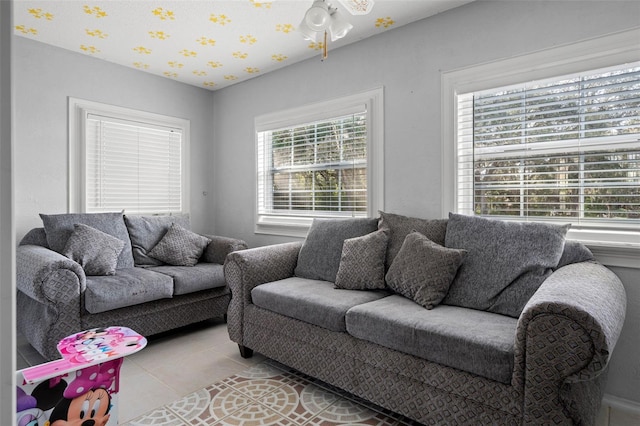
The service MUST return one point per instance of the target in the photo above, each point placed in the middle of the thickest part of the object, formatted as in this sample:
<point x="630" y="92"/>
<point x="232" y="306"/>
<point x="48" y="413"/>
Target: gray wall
<point x="408" y="61"/>
<point x="45" y="77"/>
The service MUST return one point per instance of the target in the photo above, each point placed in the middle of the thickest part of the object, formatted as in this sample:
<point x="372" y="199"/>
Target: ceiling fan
<point x="322" y="19"/>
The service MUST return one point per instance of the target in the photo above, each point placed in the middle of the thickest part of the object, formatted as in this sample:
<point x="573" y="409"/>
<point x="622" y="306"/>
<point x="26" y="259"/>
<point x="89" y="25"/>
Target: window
<point x="557" y="142"/>
<point x="565" y="148"/>
<point x="127" y="160"/>
<point x="323" y="160"/>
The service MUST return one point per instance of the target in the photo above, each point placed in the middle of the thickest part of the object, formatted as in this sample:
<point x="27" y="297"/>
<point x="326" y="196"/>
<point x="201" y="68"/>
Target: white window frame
<point x="614" y="247"/>
<point x="298" y="226"/>
<point x="79" y="109"/>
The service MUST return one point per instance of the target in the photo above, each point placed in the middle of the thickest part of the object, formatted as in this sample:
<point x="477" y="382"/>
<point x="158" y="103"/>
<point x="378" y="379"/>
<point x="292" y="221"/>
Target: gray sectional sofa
<point x="458" y="321"/>
<point x="83" y="271"/>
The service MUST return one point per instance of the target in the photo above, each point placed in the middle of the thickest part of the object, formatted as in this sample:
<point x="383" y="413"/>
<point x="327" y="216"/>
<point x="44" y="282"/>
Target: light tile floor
<point x="173" y="365"/>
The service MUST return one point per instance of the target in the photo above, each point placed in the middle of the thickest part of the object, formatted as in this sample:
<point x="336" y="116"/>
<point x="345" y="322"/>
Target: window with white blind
<point x="565" y="148"/>
<point x="318" y="162"/>
<point x="551" y="136"/>
<point x="127" y="160"/>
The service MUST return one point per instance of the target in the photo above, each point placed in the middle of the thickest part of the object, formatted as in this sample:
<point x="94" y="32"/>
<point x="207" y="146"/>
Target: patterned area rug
<point x="270" y="394"/>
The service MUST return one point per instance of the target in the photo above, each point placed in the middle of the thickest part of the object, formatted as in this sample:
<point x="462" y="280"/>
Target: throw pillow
<point x="505" y="264"/>
<point x="96" y="251"/>
<point x="362" y="262"/>
<point x="319" y="257"/>
<point x="423" y="270"/>
<point x="146" y="231"/>
<point x="400" y="226"/>
<point x="59" y="228"/>
<point x="179" y="247"/>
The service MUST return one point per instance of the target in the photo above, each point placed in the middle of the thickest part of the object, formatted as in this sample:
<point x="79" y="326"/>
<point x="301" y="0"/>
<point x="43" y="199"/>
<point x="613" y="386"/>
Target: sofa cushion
<point x="574" y="252"/>
<point x="424" y="270"/>
<point x="202" y="276"/>
<point x="319" y="257"/>
<point x="147" y="231"/>
<point x="505" y="264"/>
<point x="179" y="247"/>
<point x="59" y="227"/>
<point x="312" y="301"/>
<point x="478" y="342"/>
<point x="362" y="262"/>
<point x="96" y="251"/>
<point x="400" y="226"/>
<point x="128" y="287"/>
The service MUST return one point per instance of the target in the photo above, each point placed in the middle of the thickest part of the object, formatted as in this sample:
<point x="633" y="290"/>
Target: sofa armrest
<point x="39" y="273"/>
<point x="249" y="268"/>
<point x="50" y="297"/>
<point x="220" y="247"/>
<point x="565" y="337"/>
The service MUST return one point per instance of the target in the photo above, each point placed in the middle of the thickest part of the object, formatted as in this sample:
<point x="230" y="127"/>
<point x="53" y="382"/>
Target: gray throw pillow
<point x="574" y="252"/>
<point x="423" y="270"/>
<point x="319" y="257"/>
<point x="362" y="262"/>
<point x="146" y="231"/>
<point x="96" y="251"/>
<point x="179" y="247"/>
<point x="400" y="226"/>
<point x="59" y="227"/>
<point x="505" y="264"/>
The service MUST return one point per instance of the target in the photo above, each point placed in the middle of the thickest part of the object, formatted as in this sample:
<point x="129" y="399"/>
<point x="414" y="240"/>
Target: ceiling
<point x="210" y="44"/>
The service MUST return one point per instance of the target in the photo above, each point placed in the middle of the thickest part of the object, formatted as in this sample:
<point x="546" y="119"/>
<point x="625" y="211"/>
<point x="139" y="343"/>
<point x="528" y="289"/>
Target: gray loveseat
<point x="478" y="321"/>
<point x="82" y="271"/>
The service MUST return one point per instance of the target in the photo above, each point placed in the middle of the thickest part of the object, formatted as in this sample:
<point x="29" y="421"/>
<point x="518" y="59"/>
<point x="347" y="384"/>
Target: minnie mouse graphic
<point x="87" y="401"/>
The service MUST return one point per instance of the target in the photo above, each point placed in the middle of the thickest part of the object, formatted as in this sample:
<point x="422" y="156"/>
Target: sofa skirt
<point x="419" y="389"/>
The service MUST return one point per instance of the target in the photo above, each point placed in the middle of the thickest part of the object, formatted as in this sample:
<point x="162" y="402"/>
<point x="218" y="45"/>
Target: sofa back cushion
<point x="59" y="228"/>
<point x="399" y="226"/>
<point x="35" y="237"/>
<point x="147" y="231"/>
<point x="505" y="263"/>
<point x="319" y="257"/>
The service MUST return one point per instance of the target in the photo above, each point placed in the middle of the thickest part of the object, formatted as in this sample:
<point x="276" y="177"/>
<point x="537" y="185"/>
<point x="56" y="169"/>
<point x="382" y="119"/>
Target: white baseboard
<point x="617" y="403"/>
<point x="617" y="411"/>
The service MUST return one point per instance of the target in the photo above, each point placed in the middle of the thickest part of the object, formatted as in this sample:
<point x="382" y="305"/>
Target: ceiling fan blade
<point x="358" y="7"/>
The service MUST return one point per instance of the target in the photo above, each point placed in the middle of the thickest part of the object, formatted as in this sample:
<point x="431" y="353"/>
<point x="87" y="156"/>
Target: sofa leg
<point x="245" y="352"/>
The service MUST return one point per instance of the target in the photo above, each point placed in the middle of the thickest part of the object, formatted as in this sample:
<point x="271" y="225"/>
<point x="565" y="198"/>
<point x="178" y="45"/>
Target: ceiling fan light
<point x="307" y="33"/>
<point x="317" y="17"/>
<point x="339" y="26"/>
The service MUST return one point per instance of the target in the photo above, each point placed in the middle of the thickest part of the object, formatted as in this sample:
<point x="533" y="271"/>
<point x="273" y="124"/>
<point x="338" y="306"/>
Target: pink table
<point x="81" y="386"/>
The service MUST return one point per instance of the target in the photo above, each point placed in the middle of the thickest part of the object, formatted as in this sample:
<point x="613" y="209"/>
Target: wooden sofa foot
<point x="245" y="352"/>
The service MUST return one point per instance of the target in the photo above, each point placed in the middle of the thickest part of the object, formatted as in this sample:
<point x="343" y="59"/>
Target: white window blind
<point x="565" y="149"/>
<point x="317" y="168"/>
<point x="133" y="166"/>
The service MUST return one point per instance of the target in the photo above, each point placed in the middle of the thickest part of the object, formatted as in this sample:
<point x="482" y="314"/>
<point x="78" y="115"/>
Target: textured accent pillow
<point x="423" y="270"/>
<point x="319" y="257"/>
<point x="179" y="247"/>
<point x="400" y="226"/>
<point x="505" y="264"/>
<point x="147" y="231"/>
<point x="362" y="262"/>
<point x="96" y="251"/>
<point x="59" y="228"/>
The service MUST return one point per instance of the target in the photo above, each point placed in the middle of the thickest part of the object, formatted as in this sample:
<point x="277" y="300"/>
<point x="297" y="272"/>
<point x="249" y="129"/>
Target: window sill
<point x="625" y="256"/>
<point x="286" y="226"/>
<point x="610" y="247"/>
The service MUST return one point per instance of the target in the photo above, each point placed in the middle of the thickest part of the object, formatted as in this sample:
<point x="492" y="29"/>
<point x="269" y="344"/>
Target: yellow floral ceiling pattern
<point x="205" y="43"/>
